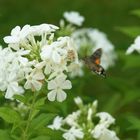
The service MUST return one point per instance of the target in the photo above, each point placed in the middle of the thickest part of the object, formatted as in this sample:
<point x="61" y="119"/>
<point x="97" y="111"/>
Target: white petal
<point x="20" y="90"/>
<point x="15" y="31"/>
<point x="56" y="57"/>
<point x="68" y="136"/>
<point x="25" y="30"/>
<point x="23" y="60"/>
<point x="66" y="85"/>
<point x="61" y="78"/>
<point x="78" y="133"/>
<point x="53" y="26"/>
<point x="61" y="95"/>
<point x="11" y="39"/>
<point x="47" y="70"/>
<point x="57" y="122"/>
<point x="46" y="53"/>
<point x="11" y="77"/>
<point x="39" y="75"/>
<point x="130" y="49"/>
<point x="53" y="75"/>
<point x="9" y="93"/>
<point x="14" y="86"/>
<point x="52" y="84"/>
<point x="28" y="85"/>
<point x="105" y="118"/>
<point x="108" y="135"/>
<point x="52" y="95"/>
<point x="37" y="85"/>
<point x="40" y="65"/>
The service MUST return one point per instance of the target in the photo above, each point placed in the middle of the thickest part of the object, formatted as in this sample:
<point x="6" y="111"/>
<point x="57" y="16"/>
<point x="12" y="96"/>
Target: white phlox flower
<point x="9" y="83"/>
<point x="100" y="132"/>
<point x="34" y="80"/>
<point x="73" y="134"/>
<point x="105" y="118"/>
<point x="57" y="122"/>
<point x="18" y="35"/>
<point x="71" y="119"/>
<point x="74" y="17"/>
<point x="54" y="51"/>
<point x="57" y="86"/>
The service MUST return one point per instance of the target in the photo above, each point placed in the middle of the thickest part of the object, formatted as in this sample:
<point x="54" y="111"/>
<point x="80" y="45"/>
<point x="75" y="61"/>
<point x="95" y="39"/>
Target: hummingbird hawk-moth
<point x="93" y="62"/>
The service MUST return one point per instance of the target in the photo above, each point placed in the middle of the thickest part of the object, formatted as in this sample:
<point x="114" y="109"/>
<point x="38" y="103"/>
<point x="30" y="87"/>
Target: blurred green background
<point x="118" y="94"/>
<point x="103" y="14"/>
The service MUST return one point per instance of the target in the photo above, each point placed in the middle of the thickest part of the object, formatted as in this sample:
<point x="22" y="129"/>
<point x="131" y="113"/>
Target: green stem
<point x="25" y="135"/>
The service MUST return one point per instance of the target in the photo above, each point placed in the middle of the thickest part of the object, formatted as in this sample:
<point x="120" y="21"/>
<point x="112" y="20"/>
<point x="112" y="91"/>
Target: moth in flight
<point x="93" y="63"/>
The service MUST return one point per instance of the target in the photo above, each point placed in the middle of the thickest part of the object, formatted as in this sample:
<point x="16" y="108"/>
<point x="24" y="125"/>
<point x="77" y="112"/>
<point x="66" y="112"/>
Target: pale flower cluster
<point x="80" y="124"/>
<point x="35" y="57"/>
<point x="135" y="46"/>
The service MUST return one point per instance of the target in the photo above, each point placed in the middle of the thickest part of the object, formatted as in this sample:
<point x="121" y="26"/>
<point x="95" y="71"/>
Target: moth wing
<point x="96" y="56"/>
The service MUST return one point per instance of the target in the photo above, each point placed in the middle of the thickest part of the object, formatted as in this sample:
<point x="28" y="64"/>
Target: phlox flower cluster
<point x="35" y="57"/>
<point x="81" y="124"/>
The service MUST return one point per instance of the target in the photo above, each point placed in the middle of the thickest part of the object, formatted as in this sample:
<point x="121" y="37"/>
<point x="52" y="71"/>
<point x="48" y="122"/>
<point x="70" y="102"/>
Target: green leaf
<point x="49" y="108"/>
<point x="135" y="122"/>
<point x="41" y="120"/>
<point x="40" y="102"/>
<point x="20" y="98"/>
<point x="44" y="131"/>
<point x="37" y="106"/>
<point x="132" y="31"/>
<point x="18" y="125"/>
<point x="4" y="135"/>
<point x="9" y="115"/>
<point x="136" y="12"/>
<point x="34" y="113"/>
<point x="14" y="137"/>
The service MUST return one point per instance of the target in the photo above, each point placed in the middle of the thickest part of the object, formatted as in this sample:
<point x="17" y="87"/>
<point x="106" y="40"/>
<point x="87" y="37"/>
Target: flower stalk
<point x="26" y="134"/>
